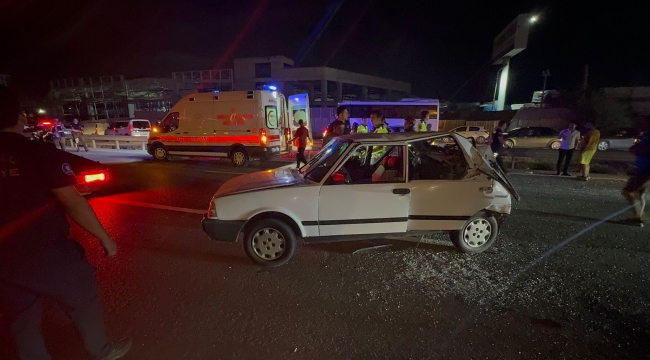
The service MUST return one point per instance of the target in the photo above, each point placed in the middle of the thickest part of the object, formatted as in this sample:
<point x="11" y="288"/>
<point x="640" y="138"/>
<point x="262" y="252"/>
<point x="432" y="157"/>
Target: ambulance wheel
<point x="159" y="153"/>
<point x="239" y="157"/>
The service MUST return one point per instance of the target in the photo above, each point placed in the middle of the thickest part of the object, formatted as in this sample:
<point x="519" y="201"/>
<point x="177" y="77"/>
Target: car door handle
<point x="187" y="132"/>
<point x="401" y="191"/>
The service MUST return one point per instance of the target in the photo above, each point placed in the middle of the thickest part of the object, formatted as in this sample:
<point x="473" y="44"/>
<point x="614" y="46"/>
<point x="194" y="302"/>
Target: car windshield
<point x="320" y="165"/>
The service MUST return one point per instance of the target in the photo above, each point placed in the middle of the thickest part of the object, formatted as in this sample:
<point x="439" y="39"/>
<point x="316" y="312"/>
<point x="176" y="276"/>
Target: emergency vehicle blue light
<point x="272" y="87"/>
<point x="216" y="91"/>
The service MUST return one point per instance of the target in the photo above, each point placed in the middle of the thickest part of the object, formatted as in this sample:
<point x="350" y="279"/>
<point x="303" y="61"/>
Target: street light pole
<point x="546" y="73"/>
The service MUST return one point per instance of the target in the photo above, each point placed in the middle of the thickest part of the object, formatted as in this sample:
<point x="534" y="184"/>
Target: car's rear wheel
<point x="270" y="242"/>
<point x="509" y="144"/>
<point x="159" y="153"/>
<point x="239" y="157"/>
<point x="476" y="235"/>
<point x="603" y="145"/>
<point x="480" y="140"/>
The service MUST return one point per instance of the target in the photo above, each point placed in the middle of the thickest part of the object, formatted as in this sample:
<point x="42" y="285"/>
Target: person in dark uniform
<point x="58" y="134"/>
<point x="78" y="134"/>
<point x="343" y="115"/>
<point x="36" y="256"/>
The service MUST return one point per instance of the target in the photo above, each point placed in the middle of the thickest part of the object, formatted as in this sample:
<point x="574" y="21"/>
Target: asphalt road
<point x="182" y="296"/>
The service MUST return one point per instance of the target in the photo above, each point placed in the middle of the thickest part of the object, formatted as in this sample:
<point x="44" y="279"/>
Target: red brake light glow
<point x="130" y="128"/>
<point x="46" y="123"/>
<point x="94" y="177"/>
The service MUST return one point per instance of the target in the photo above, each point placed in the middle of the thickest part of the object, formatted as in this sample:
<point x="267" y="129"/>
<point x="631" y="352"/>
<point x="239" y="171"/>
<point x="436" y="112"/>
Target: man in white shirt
<point x="570" y="137"/>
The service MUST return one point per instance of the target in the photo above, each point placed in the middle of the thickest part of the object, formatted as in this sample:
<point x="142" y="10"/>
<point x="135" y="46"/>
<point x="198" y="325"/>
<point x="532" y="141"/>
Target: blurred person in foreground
<point x="37" y="259"/>
<point x="634" y="190"/>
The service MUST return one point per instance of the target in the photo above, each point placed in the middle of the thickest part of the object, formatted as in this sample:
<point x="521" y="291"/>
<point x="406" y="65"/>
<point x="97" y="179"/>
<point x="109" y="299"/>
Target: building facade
<point x="113" y="97"/>
<point x="326" y="86"/>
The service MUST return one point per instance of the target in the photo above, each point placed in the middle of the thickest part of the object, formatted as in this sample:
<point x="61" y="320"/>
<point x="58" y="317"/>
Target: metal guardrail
<point x="548" y="154"/>
<point x="95" y="141"/>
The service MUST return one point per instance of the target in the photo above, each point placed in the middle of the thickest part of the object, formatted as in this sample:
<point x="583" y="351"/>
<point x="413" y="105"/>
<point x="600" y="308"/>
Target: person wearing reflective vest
<point x="363" y="128"/>
<point x="422" y="126"/>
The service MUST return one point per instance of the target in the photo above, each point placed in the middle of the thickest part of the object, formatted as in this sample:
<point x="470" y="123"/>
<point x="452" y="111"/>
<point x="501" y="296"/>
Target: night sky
<point x="437" y="46"/>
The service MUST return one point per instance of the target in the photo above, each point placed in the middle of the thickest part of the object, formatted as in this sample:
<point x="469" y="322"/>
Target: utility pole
<point x="546" y="73"/>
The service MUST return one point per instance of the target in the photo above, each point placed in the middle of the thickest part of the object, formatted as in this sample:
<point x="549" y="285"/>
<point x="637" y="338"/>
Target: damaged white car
<point x="366" y="186"/>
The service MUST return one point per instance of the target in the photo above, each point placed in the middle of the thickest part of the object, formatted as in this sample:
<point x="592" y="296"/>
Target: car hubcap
<point x="239" y="158"/>
<point x="555" y="146"/>
<point x="268" y="244"/>
<point x="480" y="140"/>
<point x="477" y="233"/>
<point x="602" y="146"/>
<point x="160" y="153"/>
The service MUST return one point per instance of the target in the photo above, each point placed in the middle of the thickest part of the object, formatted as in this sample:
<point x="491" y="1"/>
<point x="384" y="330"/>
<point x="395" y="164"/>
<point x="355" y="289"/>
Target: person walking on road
<point x="589" y="147"/>
<point x="634" y="190"/>
<point x="302" y="135"/>
<point x="570" y="137"/>
<point x="58" y="134"/>
<point x="37" y="259"/>
<point x="497" y="140"/>
<point x="78" y="134"/>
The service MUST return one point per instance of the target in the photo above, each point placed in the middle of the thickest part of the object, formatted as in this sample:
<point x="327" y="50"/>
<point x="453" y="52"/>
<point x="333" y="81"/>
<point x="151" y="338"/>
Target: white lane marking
<point x="155" y="206"/>
<point x="225" y="172"/>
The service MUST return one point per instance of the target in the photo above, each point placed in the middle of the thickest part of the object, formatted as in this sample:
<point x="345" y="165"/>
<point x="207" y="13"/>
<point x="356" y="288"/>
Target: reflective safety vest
<point x="381" y="130"/>
<point x="422" y="127"/>
<point x="362" y="129"/>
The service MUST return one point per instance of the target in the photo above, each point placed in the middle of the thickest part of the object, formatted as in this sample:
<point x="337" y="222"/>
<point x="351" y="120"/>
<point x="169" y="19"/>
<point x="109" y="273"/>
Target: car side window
<point x="369" y="164"/>
<point x="547" y="132"/>
<point x="436" y="160"/>
<point x="474" y="128"/>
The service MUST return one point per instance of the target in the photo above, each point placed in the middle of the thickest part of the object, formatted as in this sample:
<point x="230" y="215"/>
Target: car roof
<point x="396" y="137"/>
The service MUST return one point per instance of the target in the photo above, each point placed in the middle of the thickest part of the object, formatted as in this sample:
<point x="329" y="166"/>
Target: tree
<point x="610" y="113"/>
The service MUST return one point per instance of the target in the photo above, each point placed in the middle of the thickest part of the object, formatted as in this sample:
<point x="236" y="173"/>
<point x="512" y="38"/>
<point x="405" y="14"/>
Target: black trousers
<point x="300" y="157"/>
<point x="70" y="282"/>
<point x="562" y="155"/>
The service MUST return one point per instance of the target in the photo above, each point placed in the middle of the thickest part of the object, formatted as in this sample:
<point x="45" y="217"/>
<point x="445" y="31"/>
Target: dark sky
<point x="435" y="45"/>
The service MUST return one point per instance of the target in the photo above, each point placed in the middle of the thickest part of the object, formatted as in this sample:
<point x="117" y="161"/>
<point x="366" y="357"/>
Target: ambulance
<point x="239" y="125"/>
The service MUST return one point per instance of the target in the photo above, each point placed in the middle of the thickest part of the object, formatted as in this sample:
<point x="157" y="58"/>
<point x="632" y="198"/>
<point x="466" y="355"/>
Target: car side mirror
<point x="338" y="178"/>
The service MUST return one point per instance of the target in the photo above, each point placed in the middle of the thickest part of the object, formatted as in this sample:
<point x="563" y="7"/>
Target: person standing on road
<point x="36" y="257"/>
<point x="355" y="128"/>
<point x="589" y="147"/>
<point x="337" y="130"/>
<point x="424" y="117"/>
<point x="409" y="124"/>
<point x="58" y="134"/>
<point x="570" y="137"/>
<point x="497" y="140"/>
<point x="78" y="134"/>
<point x="302" y="135"/>
<point x="634" y="190"/>
<point x="343" y="115"/>
<point x="363" y="128"/>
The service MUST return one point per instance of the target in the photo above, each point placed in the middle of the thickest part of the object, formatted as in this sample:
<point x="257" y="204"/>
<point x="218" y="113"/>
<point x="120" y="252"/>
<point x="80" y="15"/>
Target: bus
<point x="395" y="112"/>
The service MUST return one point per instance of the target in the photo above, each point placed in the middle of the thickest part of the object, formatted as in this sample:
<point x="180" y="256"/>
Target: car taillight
<point x="263" y="139"/>
<point x="46" y="123"/>
<point x="211" y="212"/>
<point x="88" y="178"/>
<point x="130" y="128"/>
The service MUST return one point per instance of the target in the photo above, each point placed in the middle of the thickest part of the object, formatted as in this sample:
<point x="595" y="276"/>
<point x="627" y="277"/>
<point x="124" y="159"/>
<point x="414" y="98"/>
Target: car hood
<point x="484" y="161"/>
<point x="260" y="181"/>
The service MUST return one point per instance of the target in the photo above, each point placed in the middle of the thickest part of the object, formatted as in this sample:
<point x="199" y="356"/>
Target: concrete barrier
<point x="95" y="141"/>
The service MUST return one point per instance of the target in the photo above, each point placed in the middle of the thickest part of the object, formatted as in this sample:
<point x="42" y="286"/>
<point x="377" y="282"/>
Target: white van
<point x="240" y="125"/>
<point x="134" y="127"/>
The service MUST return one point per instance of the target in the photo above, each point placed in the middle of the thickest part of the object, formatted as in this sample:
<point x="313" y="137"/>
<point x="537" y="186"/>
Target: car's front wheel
<point x="603" y="145"/>
<point x="480" y="140"/>
<point x="270" y="242"/>
<point x="476" y="235"/>
<point x="509" y="144"/>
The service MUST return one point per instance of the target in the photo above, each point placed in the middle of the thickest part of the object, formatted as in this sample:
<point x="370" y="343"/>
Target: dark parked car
<point x="532" y="137"/>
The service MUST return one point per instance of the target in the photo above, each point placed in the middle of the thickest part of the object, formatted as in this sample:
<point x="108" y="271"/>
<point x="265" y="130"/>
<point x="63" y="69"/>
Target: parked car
<point x="532" y="137"/>
<point x="621" y="139"/>
<point x="135" y="127"/>
<point x="478" y="133"/>
<point x="366" y="186"/>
